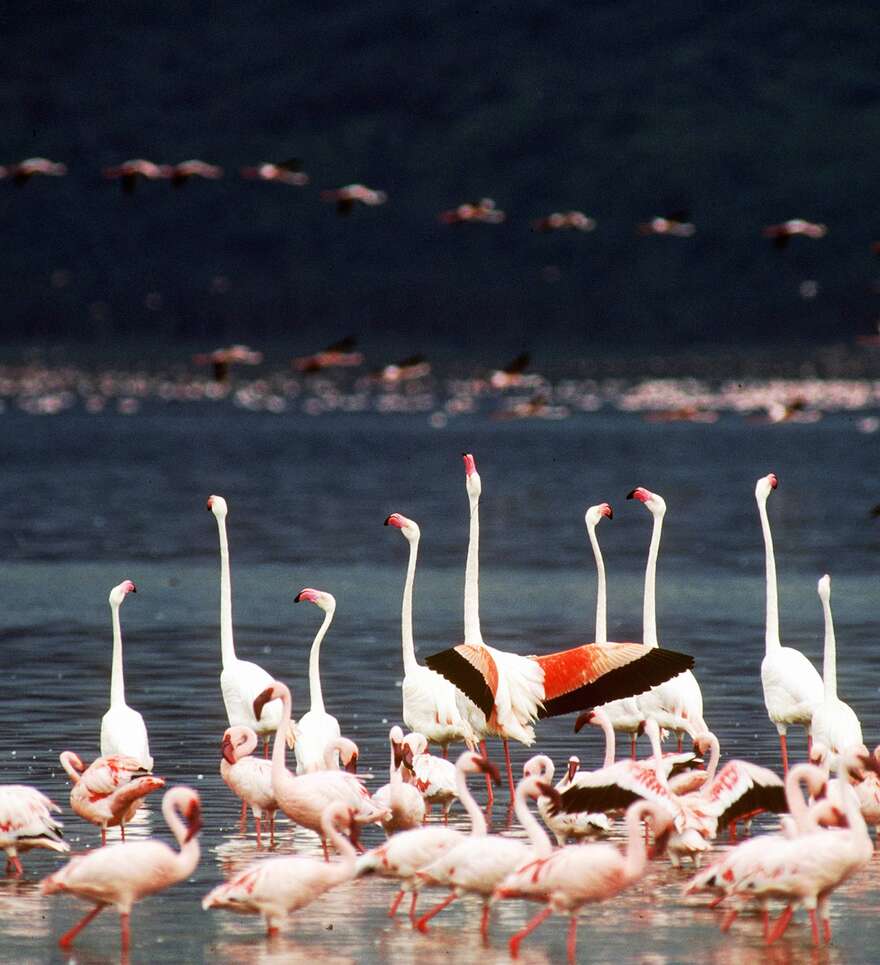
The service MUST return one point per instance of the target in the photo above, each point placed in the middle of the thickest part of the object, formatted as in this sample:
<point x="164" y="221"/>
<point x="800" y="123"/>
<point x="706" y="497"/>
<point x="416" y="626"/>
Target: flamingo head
<point x="857" y="762"/>
<point x="395" y="735"/>
<point x="237" y="742"/>
<point x="217" y="505"/>
<point x="595" y="513"/>
<point x="547" y="790"/>
<point x="120" y="592"/>
<point x="272" y="692"/>
<point x="818" y="754"/>
<point x="192" y="814"/>
<point x="227" y="749"/>
<point x="656" y="504"/>
<point x="406" y="526"/>
<point x="824" y="588"/>
<point x="485" y="766"/>
<point x="539" y="766"/>
<point x="573" y="764"/>
<point x="587" y="717"/>
<point x="348" y="754"/>
<point x="326" y="601"/>
<point x="765" y="485"/>
<point x="662" y="827"/>
<point x="472" y="477"/>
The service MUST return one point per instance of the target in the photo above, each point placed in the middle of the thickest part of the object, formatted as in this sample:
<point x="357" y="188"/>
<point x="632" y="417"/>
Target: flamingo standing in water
<point x="26" y="822"/>
<point x="249" y="777"/>
<point x="504" y="693"/>
<point x="316" y="728"/>
<point x="792" y="687"/>
<point x="277" y="886"/>
<point x="406" y="806"/>
<point x="429" y="700"/>
<point x="578" y="825"/>
<point x="123" y="731"/>
<point x="434" y="777"/>
<point x="109" y="790"/>
<point x="121" y="874"/>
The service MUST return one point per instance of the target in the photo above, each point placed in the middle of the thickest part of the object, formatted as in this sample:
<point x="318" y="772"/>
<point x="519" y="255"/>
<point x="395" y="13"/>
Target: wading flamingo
<point x="248" y="777"/>
<point x="564" y="826"/>
<point x="26" y="822"/>
<point x="434" y="777"/>
<point x="121" y="874"/>
<point x="792" y="687"/>
<point x="123" y="731"/>
<point x="406" y="806"/>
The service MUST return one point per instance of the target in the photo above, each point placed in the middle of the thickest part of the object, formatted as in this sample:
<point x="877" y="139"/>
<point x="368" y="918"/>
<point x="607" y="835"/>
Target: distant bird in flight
<point x="512" y="374"/>
<point x="339" y="354"/>
<point x="675" y="224"/>
<point x="23" y="171"/>
<point x="560" y="220"/>
<point x="181" y="173"/>
<point x="347" y="196"/>
<point x="483" y="210"/>
<point x="222" y="359"/>
<point x="129" y="171"/>
<point x="781" y="233"/>
<point x="284" y="172"/>
<point x="413" y="367"/>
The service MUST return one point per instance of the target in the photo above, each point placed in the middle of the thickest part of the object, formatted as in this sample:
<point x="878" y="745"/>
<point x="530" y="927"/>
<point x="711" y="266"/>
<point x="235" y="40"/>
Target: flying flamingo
<point x="506" y="692"/>
<point x="792" y="687"/>
<point x="109" y="790"/>
<point x="129" y="171"/>
<point x="26" y="822"/>
<point x="564" y="826"/>
<point x="248" y="777"/>
<point x="429" y="699"/>
<point x="580" y="874"/>
<point x="275" y="887"/>
<point x="316" y="728"/>
<point x="676" y="704"/>
<point x="406" y="806"/>
<point x="284" y="172"/>
<point x="121" y="874"/>
<point x="123" y="731"/>
<point x="303" y="798"/>
<point x="183" y="171"/>
<point x="23" y="171"/>
<point x="834" y="724"/>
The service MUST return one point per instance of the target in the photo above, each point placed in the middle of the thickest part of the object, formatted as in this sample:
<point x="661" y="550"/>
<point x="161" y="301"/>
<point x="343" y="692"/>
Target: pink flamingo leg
<point x="103" y="835"/>
<point x="784" y="747"/>
<point x="422" y="923"/>
<point x="826" y="929"/>
<point x="814" y="926"/>
<point x="126" y="930"/>
<point x="122" y="830"/>
<point x="445" y="752"/>
<point x="412" y="907"/>
<point x="729" y="919"/>
<point x="809" y="744"/>
<point x="766" y="917"/>
<point x="715" y="902"/>
<point x="506" y="744"/>
<point x="15" y="864"/>
<point x="484" y="923"/>
<point x="632" y="751"/>
<point x="572" y="937"/>
<point x="680" y="744"/>
<point x="67" y="938"/>
<point x="257" y="822"/>
<point x="243" y="821"/>
<point x="778" y="929"/>
<point x="272" y="830"/>
<point x="489" y="790"/>
<point x="266" y="748"/>
<point x="532" y="925"/>
<point x="326" y="852"/>
<point x="398" y="898"/>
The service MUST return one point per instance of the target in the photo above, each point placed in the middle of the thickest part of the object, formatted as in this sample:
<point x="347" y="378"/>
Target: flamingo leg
<point x="632" y="750"/>
<point x="506" y="744"/>
<point x="826" y="930"/>
<point x="67" y="938"/>
<point x="680" y="742"/>
<point x="126" y="930"/>
<point x="729" y="919"/>
<point x="514" y="944"/>
<point x="422" y="923"/>
<point x="715" y="902"/>
<point x="731" y="830"/>
<point x="766" y="917"/>
<point x="103" y="835"/>
<point x="484" y="923"/>
<point x="814" y="926"/>
<point x="326" y="852"/>
<point x="257" y="822"/>
<point x="243" y="821"/>
<point x="122" y="830"/>
<point x="784" y="746"/>
<point x="398" y="898"/>
<point x="778" y="930"/>
<point x="572" y="937"/>
<point x="272" y="830"/>
<point x="15" y="863"/>
<point x="489" y="790"/>
<point x="809" y="744"/>
<point x="266" y="748"/>
<point x="412" y="907"/>
<point x="445" y="752"/>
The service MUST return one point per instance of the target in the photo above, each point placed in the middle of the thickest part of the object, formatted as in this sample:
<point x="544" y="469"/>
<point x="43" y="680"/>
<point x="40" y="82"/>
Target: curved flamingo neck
<point x="72" y="765"/>
<point x="604" y="722"/>
<point x="636" y="859"/>
<point x="345" y="868"/>
<point x="714" y="758"/>
<point x="248" y="746"/>
<point x="117" y="680"/>
<point x="227" y="645"/>
<point x="649" y="611"/>
<point x="280" y="775"/>
<point x="653" y="732"/>
<point x="829" y="663"/>
<point x="601" y="606"/>
<point x="472" y="632"/>
<point x="796" y="781"/>
<point x="538" y="837"/>
<point x="771" y="631"/>
<point x="188" y="856"/>
<point x="478" y="819"/>
<point x="848" y="800"/>
<point x="406" y="610"/>
<point x="315" y="694"/>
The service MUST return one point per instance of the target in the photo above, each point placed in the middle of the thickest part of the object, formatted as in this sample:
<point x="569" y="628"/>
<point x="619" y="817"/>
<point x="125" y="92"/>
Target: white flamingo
<point x="316" y="728"/>
<point x="26" y="822"/>
<point x="249" y="777"/>
<point x="123" y="731"/>
<point x="792" y="687"/>
<point x="564" y="826"/>
<point x="434" y="777"/>
<point x="406" y="806"/>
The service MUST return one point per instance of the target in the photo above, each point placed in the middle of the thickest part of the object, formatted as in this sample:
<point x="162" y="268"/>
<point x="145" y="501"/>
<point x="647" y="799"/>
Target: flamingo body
<point x="26" y="822"/>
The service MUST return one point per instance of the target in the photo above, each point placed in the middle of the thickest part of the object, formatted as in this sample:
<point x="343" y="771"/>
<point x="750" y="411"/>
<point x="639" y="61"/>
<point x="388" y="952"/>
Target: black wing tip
<point x="464" y="675"/>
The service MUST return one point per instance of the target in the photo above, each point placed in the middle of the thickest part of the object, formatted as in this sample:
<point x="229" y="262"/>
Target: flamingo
<point x="792" y="687"/>
<point x="675" y="704"/>
<point x="564" y="826"/>
<point x="121" y="874"/>
<point x="341" y="354"/>
<point x="406" y="806"/>
<point x="109" y="790"/>
<point x="505" y="692"/>
<point x="834" y="724"/>
<point x="483" y="210"/>
<point x="316" y="728"/>
<point x="182" y="172"/>
<point x="675" y="224"/>
<point x="241" y="681"/>
<point x="248" y="777"/>
<point x="129" y="171"/>
<point x="867" y="790"/>
<point x="277" y="886"/>
<point x="123" y="731"/>
<point x="347" y="196"/>
<point x="303" y="798"/>
<point x="284" y="172"/>
<point x="26" y="822"/>
<point x="433" y="777"/>
<point x="580" y="874"/>
<point x="23" y="171"/>
<point x="780" y="234"/>
<point x="429" y="699"/>
<point x="560" y="220"/>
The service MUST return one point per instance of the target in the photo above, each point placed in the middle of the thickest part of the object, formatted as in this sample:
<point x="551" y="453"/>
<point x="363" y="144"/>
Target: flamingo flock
<point x="470" y="694"/>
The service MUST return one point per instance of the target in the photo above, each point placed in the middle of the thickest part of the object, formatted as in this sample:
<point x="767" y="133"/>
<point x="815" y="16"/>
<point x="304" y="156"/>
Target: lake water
<point x="90" y="497"/>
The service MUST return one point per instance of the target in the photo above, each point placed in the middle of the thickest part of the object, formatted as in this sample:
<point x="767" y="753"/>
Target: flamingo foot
<point x="422" y="923"/>
<point x="398" y="898"/>
<point x="778" y="929"/>
<point x="523" y="932"/>
<point x="67" y="938"/>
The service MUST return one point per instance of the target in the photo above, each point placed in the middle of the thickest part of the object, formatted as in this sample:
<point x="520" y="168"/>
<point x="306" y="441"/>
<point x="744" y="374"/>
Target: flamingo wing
<point x="611" y="788"/>
<point x="741" y="788"/>
<point x="472" y="670"/>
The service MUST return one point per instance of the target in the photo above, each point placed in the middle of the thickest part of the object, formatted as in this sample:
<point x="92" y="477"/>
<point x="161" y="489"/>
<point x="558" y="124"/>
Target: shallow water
<point x="86" y="501"/>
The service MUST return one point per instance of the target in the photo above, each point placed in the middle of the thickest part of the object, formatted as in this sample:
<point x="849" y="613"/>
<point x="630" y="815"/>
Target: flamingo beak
<point x="638" y="493"/>
<point x="660" y="842"/>
<point x="261" y="700"/>
<point x="470" y="465"/>
<point x="583" y="719"/>
<point x="485" y="765"/>
<point x="394" y="520"/>
<point x="572" y="770"/>
<point x="193" y="820"/>
<point x="607" y="510"/>
<point x="407" y="757"/>
<point x="227" y="749"/>
<point x="399" y="753"/>
<point x="210" y="504"/>
<point x="352" y="765"/>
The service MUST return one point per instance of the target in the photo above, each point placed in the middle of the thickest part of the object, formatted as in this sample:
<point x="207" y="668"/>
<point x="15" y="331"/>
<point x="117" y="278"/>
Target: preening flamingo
<point x="429" y="699"/>
<point x="511" y="691"/>
<point x="121" y="874"/>
<point x="109" y="790"/>
<point x="564" y="826"/>
<point x="406" y="806"/>
<point x="123" y="731"/>
<point x="792" y="687"/>
<point x="834" y="724"/>
<point x="249" y="777"/>
<point x="676" y="704"/>
<point x="316" y="728"/>
<point x="26" y="822"/>
<point x="434" y="777"/>
<point x="275" y="887"/>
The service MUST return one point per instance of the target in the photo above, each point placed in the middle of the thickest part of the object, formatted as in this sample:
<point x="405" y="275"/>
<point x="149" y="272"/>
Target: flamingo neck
<point x="636" y="852"/>
<point x="601" y="608"/>
<point x="848" y="800"/>
<point x="117" y="680"/>
<point x="610" y="738"/>
<point x="829" y="663"/>
<point x="72" y="765"/>
<point x="478" y="819"/>
<point x="280" y="775"/>
<point x="227" y="645"/>
<point x="653" y="732"/>
<point x="771" y="631"/>
<point x="538" y="837"/>
<point x="472" y="633"/>
<point x="406" y="610"/>
<point x="341" y="870"/>
<point x="649" y="612"/>
<point x="187" y="858"/>
<point x="796" y="783"/>
<point x="714" y="758"/>
<point x="315" y="694"/>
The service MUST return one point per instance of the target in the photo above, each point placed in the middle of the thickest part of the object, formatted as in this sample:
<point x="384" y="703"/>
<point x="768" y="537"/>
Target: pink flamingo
<point x="564" y="826"/>
<point x="434" y="777"/>
<point x="406" y="806"/>
<point x="780" y="234"/>
<point x="304" y="797"/>
<point x="23" y="171"/>
<point x="249" y="777"/>
<point x="277" y="886"/>
<point x="185" y="170"/>
<point x="284" y="172"/>
<point x="129" y="171"/>
<point x="121" y="874"/>
<point x="347" y="196"/>
<point x="26" y="822"/>
<point x="109" y="790"/>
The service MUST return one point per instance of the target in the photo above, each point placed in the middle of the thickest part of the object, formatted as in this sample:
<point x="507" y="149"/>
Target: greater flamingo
<point x="121" y="874"/>
<point x="26" y="822"/>
<point x="109" y="790"/>
<point x="275" y="887"/>
<point x="316" y="728"/>
<point x="406" y="806"/>
<point x="123" y="731"/>
<point x="792" y="687"/>
<point x="248" y="777"/>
